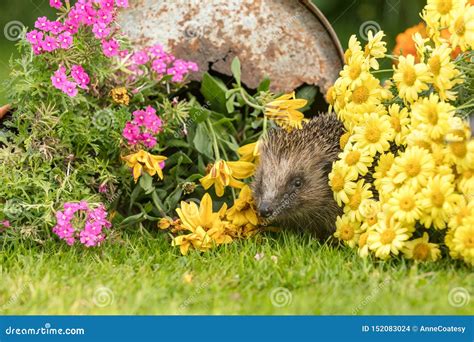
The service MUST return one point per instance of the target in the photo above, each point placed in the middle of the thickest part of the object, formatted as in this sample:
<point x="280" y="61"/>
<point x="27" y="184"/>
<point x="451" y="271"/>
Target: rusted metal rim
<point x="327" y="25"/>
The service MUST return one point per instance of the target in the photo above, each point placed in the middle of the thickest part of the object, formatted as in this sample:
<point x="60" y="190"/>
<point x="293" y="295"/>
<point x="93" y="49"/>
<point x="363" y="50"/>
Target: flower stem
<point x="217" y="154"/>
<point x="248" y="102"/>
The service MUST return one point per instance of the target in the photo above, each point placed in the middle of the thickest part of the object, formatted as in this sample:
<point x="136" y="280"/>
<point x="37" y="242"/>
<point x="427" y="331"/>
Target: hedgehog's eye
<point x="297" y="182"/>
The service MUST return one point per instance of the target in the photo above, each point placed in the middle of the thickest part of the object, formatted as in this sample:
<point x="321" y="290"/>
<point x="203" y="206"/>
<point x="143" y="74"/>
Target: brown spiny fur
<point x="305" y="154"/>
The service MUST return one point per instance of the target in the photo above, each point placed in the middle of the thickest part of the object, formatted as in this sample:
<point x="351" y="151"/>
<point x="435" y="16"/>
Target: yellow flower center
<point x="371" y="220"/>
<point x="352" y="158"/>
<point x="337" y="182"/>
<point x="372" y="133"/>
<point x="435" y="64"/>
<point x="421" y="251"/>
<point x="444" y="6"/>
<point x="344" y="140"/>
<point x="387" y="236"/>
<point x="354" y="201"/>
<point x="347" y="232"/>
<point x="412" y="168"/>
<point x="407" y="203"/>
<point x="464" y="212"/>
<point x="459" y="148"/>
<point x="409" y="76"/>
<point x="354" y="71"/>
<point x="469" y="241"/>
<point x="432" y="115"/>
<point x="460" y="26"/>
<point x="360" y="94"/>
<point x="423" y="144"/>
<point x="437" y="198"/>
<point x="396" y="123"/>
<point x="363" y="239"/>
<point x="331" y="96"/>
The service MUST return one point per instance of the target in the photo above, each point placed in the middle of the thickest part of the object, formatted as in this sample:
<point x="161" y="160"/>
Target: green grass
<point x="145" y="275"/>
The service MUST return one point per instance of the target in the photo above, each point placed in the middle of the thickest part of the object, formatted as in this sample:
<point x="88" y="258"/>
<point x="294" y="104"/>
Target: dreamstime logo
<point x="283" y="205"/>
<point x="103" y="119"/>
<point x="103" y="296"/>
<point x="368" y="26"/>
<point x="12" y="30"/>
<point x="458" y="297"/>
<point x="193" y="29"/>
<point x="281" y="297"/>
<point x="371" y="297"/>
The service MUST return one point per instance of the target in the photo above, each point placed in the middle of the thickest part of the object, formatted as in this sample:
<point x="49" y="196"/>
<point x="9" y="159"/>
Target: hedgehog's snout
<point x="265" y="209"/>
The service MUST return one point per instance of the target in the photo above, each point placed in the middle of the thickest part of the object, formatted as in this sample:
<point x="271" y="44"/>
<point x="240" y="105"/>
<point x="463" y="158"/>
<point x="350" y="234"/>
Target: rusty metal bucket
<point x="289" y="41"/>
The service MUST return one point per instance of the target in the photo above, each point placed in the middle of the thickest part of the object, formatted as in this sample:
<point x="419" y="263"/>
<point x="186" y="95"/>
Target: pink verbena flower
<point x="65" y="40"/>
<point x="121" y="3"/>
<point x="131" y="132"/>
<point x="59" y="78"/>
<point x="49" y="44"/>
<point x="80" y="76"/>
<point x="42" y="24"/>
<point x="140" y="57"/>
<point x="80" y="221"/>
<point x="148" y="140"/>
<point x="110" y="47"/>
<point x="100" y="30"/>
<point x="55" y="27"/>
<point x="55" y="3"/>
<point x="34" y="37"/>
<point x="5" y="223"/>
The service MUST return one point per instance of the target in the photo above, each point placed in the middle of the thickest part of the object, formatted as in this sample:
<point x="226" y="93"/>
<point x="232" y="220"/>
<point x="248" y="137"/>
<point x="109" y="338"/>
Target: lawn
<point x="143" y="274"/>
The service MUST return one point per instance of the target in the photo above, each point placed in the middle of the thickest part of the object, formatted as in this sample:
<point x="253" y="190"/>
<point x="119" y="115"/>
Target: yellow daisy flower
<point x="341" y="181"/>
<point x="462" y="29"/>
<point x="444" y="73"/>
<point x="462" y="209"/>
<point x="461" y="154"/>
<point x="284" y="111"/>
<point x="353" y="49"/>
<point x="362" y="192"/>
<point x="432" y="115"/>
<point x="421" y="249"/>
<point x="410" y="78"/>
<point x="383" y="166"/>
<point x="400" y="122"/>
<point x="438" y="200"/>
<point x="413" y="167"/>
<point x="243" y="211"/>
<point x="363" y="246"/>
<point x="375" y="48"/>
<point x="370" y="210"/>
<point x="144" y="161"/>
<point x="374" y="135"/>
<point x="250" y="152"/>
<point x="224" y="174"/>
<point x="365" y="94"/>
<point x="387" y="238"/>
<point x="360" y="160"/>
<point x="448" y="241"/>
<point x="405" y="205"/>
<point x="463" y="240"/>
<point x="356" y="67"/>
<point x="344" y="139"/>
<point x="443" y="10"/>
<point x="347" y="230"/>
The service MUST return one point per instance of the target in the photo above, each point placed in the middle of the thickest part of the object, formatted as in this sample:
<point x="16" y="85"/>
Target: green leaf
<point x="230" y="104"/>
<point x="133" y="219"/>
<point x="307" y="92"/>
<point x="199" y="114"/>
<point x="264" y="85"/>
<point x="236" y="69"/>
<point x="202" y="141"/>
<point x="172" y="200"/>
<point x="146" y="182"/>
<point x="176" y="143"/>
<point x="213" y="90"/>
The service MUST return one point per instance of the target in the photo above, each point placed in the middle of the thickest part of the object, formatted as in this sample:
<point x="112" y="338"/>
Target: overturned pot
<point x="289" y="41"/>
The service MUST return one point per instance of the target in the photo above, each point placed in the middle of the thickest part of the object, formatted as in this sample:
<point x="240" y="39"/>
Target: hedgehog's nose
<point x="265" y="210"/>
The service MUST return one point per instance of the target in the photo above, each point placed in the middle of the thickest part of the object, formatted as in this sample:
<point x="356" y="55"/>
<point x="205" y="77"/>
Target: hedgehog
<point x="291" y="181"/>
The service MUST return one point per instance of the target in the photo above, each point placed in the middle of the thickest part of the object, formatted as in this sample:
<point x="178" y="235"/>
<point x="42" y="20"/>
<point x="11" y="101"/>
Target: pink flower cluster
<point x="98" y="14"/>
<point x="67" y="85"/>
<point x="162" y="63"/>
<point x="5" y="223"/>
<point x="143" y="128"/>
<point x="91" y="222"/>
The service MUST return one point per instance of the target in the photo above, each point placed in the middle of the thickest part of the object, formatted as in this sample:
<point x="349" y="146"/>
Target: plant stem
<point x="217" y="154"/>
<point x="381" y="71"/>
<point x="248" y="102"/>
